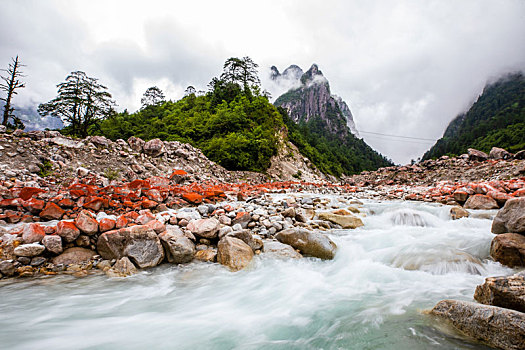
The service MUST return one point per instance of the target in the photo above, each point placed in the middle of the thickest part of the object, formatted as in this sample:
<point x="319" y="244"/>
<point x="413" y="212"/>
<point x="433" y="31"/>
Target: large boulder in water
<point x="495" y="326"/>
<point x="345" y="221"/>
<point x="139" y="243"/>
<point x="234" y="253"/>
<point x="481" y="201"/>
<point x="308" y="242"/>
<point x="509" y="249"/>
<point x="511" y="218"/>
<point x="278" y="250"/>
<point x="179" y="249"/>
<point x="122" y="268"/>
<point x="507" y="292"/>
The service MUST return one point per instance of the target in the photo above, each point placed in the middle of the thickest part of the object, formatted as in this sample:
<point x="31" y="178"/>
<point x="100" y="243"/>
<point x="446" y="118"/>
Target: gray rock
<point x="247" y="237"/>
<point x="495" y="326"/>
<point x="507" y="292"/>
<point x="53" y="244"/>
<point x="140" y="243"/>
<point x="136" y="143"/>
<point x="206" y="228"/>
<point x="7" y="267"/>
<point x="74" y="256"/>
<point x="37" y="261"/>
<point x="154" y="148"/>
<point x="122" y="268"/>
<point x="178" y="248"/>
<point x="242" y="219"/>
<point x="308" y="242"/>
<point x="474" y="154"/>
<point x="29" y="250"/>
<point x="499" y="153"/>
<point x="224" y="231"/>
<point x="278" y="250"/>
<point x="234" y="253"/>
<point x="458" y="213"/>
<point x="511" y="218"/>
<point x="508" y="249"/>
<point x="480" y="201"/>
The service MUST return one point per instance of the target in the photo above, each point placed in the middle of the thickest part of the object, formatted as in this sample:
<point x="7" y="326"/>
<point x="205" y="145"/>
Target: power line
<point x="409" y="141"/>
<point x="403" y="137"/>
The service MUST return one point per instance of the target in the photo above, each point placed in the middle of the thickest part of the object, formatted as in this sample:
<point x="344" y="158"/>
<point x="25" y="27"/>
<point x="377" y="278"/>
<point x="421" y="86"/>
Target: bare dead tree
<point x="10" y="85"/>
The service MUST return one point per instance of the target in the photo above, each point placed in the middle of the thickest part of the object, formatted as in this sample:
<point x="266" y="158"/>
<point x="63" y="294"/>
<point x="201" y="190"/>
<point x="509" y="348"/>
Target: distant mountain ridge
<point x="496" y="119"/>
<point x="321" y="124"/>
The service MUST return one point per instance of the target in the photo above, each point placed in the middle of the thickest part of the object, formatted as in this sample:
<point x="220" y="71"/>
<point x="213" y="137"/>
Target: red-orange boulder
<point x="192" y="197"/>
<point x="68" y="231"/>
<point x="86" y="223"/>
<point x="33" y="233"/>
<point x="52" y="212"/>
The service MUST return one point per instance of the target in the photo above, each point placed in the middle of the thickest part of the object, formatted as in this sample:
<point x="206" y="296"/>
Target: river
<point x="407" y="257"/>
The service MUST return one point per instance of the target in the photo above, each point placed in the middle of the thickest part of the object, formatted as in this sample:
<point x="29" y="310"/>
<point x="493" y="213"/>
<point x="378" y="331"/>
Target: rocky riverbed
<point x="94" y="207"/>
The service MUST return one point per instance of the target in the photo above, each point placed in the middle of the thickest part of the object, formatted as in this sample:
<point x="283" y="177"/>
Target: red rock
<point x="52" y="212"/>
<point x="132" y="215"/>
<point x="77" y="193"/>
<point x="68" y="231"/>
<point x="480" y="201"/>
<point x="148" y="204"/>
<point x="138" y="184"/>
<point x="49" y="230"/>
<point x="519" y="193"/>
<point x="11" y="202"/>
<point x="154" y="195"/>
<point x="86" y="223"/>
<point x="106" y="224"/>
<point x="66" y="203"/>
<point x="499" y="197"/>
<point x="95" y="204"/>
<point x="192" y="197"/>
<point x="34" y="205"/>
<point x="28" y="192"/>
<point x="33" y="233"/>
<point x="122" y="222"/>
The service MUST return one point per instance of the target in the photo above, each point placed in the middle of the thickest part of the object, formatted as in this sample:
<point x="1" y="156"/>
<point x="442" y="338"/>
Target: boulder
<point x="86" y="223"/>
<point x="474" y="154"/>
<point x="29" y="250"/>
<point x="278" y="250"/>
<point x="480" y="201"/>
<point x="492" y="325"/>
<point x="345" y="221"/>
<point x="7" y="267"/>
<point x="206" y="255"/>
<point x="53" y="244"/>
<point x="507" y="292"/>
<point x="234" y="253"/>
<point x="308" y="242"/>
<point x="458" y="213"/>
<point x="247" y="237"/>
<point x="511" y="218"/>
<point x="74" y="256"/>
<point x="140" y="243"/>
<point x="206" y="228"/>
<point x="100" y="141"/>
<point x="52" y="212"/>
<point x="242" y="218"/>
<point x="154" y="148"/>
<point x="178" y="248"/>
<point x="122" y="268"/>
<point x="33" y="233"/>
<point x="460" y="196"/>
<point x="509" y="249"/>
<point x="68" y="231"/>
<point x="499" y="153"/>
<point x="136" y="143"/>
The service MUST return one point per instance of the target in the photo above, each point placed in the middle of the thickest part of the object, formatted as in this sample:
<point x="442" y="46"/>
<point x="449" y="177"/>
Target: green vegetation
<point x="496" y="119"/>
<point x="46" y="168"/>
<point x="111" y="174"/>
<point x="330" y="154"/>
<point x="233" y="124"/>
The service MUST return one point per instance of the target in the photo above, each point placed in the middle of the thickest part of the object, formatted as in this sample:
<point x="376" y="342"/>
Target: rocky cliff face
<point x="310" y="96"/>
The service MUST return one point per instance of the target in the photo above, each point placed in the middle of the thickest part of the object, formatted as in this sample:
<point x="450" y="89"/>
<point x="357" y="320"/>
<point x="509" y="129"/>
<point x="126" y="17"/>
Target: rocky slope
<point x="496" y="119"/>
<point x="310" y="96"/>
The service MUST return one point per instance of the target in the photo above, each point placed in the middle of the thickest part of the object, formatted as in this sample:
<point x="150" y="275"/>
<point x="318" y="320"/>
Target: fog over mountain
<point x="405" y="67"/>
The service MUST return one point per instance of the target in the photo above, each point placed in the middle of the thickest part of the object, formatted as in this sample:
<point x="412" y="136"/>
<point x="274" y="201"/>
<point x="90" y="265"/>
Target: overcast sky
<point x="404" y="67"/>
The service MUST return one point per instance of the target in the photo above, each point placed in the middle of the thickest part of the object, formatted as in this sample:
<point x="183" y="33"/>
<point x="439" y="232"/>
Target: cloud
<point x="404" y="67"/>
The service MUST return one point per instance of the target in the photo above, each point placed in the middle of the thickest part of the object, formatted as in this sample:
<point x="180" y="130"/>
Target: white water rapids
<point x="407" y="257"/>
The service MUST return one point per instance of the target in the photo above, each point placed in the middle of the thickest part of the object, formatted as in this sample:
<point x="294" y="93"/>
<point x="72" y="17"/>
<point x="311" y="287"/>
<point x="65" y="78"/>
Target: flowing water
<point x="407" y="257"/>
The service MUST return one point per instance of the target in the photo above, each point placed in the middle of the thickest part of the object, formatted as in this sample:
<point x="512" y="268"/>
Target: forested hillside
<point x="496" y="119"/>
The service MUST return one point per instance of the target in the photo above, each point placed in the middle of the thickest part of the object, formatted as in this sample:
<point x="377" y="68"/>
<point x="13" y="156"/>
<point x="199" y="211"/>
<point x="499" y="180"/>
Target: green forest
<point x="496" y="119"/>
